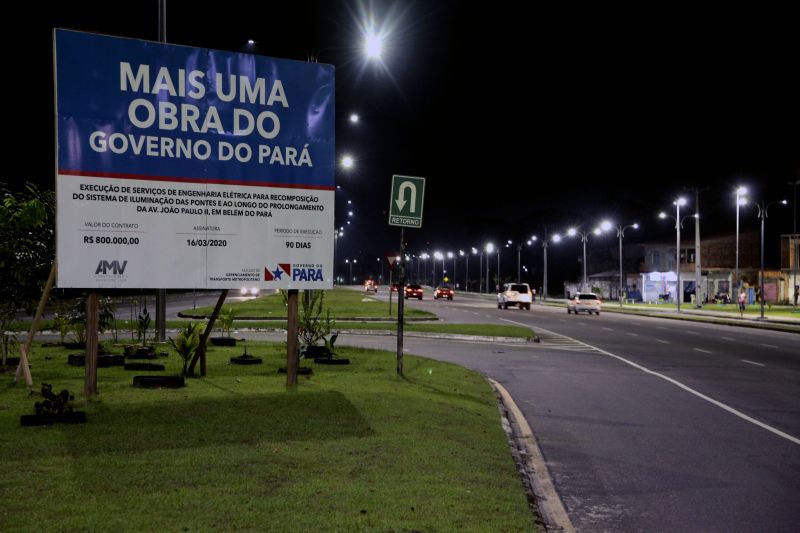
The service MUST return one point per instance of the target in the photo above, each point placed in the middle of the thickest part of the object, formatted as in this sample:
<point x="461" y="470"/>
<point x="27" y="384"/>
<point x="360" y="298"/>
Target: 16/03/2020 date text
<point x="206" y="242"/>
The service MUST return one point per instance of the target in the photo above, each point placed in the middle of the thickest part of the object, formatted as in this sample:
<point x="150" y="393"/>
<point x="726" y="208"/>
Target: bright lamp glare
<point x="741" y="190"/>
<point x="605" y="225"/>
<point x="636" y="226"/>
<point x="681" y="201"/>
<point x="373" y="45"/>
<point x="572" y="232"/>
<point x="354" y="118"/>
<point x="347" y="161"/>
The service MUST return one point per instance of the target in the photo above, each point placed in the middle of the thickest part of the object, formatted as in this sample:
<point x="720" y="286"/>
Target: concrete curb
<point x="532" y="465"/>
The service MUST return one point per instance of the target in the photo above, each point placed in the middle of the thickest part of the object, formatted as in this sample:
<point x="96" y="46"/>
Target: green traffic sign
<point x="405" y="206"/>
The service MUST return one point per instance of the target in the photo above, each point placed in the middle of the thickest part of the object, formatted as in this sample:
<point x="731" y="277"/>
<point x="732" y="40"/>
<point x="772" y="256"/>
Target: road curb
<point x="541" y="491"/>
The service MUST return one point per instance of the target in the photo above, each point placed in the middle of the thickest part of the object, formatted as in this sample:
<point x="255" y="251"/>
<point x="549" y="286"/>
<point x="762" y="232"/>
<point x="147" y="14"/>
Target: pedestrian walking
<point x="742" y="302"/>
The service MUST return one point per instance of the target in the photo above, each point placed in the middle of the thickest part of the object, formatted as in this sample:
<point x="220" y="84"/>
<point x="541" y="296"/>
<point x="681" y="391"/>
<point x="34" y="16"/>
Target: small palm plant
<point x="226" y="320"/>
<point x="186" y="344"/>
<point x="142" y="323"/>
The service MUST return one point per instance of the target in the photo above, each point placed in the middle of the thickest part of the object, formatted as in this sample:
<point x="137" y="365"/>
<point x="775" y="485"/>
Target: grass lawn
<point x="353" y="448"/>
<point x="342" y="302"/>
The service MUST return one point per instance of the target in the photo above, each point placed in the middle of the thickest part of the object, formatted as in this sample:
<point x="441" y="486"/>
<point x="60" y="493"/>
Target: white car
<point x="515" y="294"/>
<point x="584" y="301"/>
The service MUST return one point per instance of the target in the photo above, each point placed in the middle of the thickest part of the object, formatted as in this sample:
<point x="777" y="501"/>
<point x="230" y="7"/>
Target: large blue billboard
<point x="160" y="111"/>
<point x="184" y="167"/>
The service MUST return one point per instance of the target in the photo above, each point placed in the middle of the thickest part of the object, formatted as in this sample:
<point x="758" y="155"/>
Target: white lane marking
<point x="476" y="314"/>
<point x="633" y="334"/>
<point x="662" y="327"/>
<point x="728" y="338"/>
<point x="701" y="350"/>
<point x="769" y="345"/>
<point x="752" y="362"/>
<point x="680" y="385"/>
<point x="691" y="332"/>
<point x="608" y="329"/>
<point x="583" y="323"/>
<point x="663" y="342"/>
<point x="560" y="319"/>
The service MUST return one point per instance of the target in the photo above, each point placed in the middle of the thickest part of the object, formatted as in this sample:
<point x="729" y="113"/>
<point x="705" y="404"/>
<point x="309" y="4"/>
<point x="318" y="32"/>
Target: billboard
<point x="181" y="167"/>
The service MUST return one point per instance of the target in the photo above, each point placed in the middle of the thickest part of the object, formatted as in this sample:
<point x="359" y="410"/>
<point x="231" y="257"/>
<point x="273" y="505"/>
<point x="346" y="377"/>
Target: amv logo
<point x="103" y="267"/>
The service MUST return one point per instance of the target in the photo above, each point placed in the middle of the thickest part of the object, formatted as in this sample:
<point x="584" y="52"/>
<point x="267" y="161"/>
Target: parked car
<point x="443" y="292"/>
<point x="584" y="301"/>
<point x="414" y="291"/>
<point x="370" y="285"/>
<point x="515" y="294"/>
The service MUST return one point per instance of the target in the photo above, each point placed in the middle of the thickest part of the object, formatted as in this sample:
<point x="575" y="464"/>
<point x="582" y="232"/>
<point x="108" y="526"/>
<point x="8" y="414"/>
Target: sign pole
<point x="92" y="317"/>
<point x="291" y="339"/>
<point x="400" y="300"/>
<point x="390" y="292"/>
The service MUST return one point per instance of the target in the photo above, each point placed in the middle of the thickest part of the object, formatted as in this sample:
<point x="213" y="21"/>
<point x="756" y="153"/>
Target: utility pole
<point x="698" y="274"/>
<point x="794" y="245"/>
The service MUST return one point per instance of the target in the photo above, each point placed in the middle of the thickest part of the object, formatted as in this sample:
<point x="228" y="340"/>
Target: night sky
<point x="520" y="117"/>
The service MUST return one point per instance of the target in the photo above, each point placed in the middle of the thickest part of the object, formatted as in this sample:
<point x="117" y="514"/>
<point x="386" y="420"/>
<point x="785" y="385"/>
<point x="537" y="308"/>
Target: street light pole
<point x="498" y="269"/>
<point x="740" y="191"/>
<point x="698" y="271"/>
<point x="794" y="250"/>
<point x="544" y="279"/>
<point x="621" y="234"/>
<point x="573" y="232"/>
<point x="678" y="222"/>
<point x="762" y="215"/>
<point x="480" y="273"/>
<point x="519" y="250"/>
<point x="453" y="257"/>
<point x="487" y="272"/>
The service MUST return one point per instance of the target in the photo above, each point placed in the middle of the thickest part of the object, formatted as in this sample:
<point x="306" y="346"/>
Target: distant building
<point x="718" y="270"/>
<point x="790" y="266"/>
<point x="650" y="275"/>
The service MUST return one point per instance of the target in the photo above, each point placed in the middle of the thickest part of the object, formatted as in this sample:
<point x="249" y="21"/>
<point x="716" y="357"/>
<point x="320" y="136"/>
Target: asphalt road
<point x="647" y="424"/>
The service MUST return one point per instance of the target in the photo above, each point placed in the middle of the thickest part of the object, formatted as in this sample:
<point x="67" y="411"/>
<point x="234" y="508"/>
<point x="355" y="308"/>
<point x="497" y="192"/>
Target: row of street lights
<point x="741" y="200"/>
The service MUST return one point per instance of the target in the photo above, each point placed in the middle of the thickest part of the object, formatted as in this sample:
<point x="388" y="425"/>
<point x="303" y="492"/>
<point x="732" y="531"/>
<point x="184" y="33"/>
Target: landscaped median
<point x="352" y="448"/>
<point x="343" y="303"/>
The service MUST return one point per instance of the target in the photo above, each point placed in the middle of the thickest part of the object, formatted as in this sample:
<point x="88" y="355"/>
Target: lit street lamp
<point x="572" y="232"/>
<point x="740" y="200"/>
<point x="621" y="233"/>
<point x="489" y="250"/>
<point x="437" y="255"/>
<point x="451" y="256"/>
<point x="480" y="269"/>
<point x="762" y="215"/>
<point x="678" y="223"/>
<point x="466" y="265"/>
<point x="556" y="239"/>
